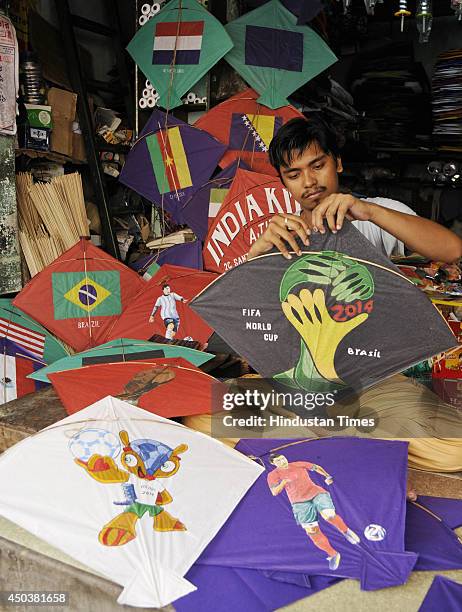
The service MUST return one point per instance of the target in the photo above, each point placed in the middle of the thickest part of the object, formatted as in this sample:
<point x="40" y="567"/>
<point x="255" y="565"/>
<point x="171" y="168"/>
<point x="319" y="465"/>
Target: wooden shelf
<point x="56" y="157"/>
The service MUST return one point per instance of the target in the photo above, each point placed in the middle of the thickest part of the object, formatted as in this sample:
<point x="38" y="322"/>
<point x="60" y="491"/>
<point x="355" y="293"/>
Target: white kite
<point x="132" y="495"/>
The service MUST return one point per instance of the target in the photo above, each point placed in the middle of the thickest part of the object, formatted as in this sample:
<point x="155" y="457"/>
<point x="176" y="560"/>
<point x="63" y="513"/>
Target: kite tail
<point x="153" y="586"/>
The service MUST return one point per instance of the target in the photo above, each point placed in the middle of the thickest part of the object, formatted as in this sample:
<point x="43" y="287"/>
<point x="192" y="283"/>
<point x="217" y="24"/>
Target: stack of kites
<point x="176" y="516"/>
<point x="173" y="164"/>
<point x="447" y="101"/>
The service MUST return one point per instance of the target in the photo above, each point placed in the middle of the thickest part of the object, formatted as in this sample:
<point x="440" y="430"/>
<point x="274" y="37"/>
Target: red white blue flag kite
<point x="177" y="47"/>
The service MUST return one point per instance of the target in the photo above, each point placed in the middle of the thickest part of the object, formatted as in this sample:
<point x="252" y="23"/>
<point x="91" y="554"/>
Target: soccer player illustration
<point x="309" y="501"/>
<point x="168" y="312"/>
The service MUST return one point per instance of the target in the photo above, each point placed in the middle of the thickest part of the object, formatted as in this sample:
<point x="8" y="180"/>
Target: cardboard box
<point x="64" y="110"/>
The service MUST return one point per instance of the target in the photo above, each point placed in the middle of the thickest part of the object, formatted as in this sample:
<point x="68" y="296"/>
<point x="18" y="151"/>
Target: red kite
<point x="80" y="294"/>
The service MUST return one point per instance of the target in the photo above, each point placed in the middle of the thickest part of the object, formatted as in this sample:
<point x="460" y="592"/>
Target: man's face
<point x="166" y="290"/>
<point x="280" y="461"/>
<point x="312" y="176"/>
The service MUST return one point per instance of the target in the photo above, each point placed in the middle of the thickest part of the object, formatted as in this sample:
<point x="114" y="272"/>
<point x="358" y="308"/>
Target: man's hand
<point x="329" y="480"/>
<point x="151" y="319"/>
<point x="280" y="233"/>
<point x="279" y="487"/>
<point x="338" y="206"/>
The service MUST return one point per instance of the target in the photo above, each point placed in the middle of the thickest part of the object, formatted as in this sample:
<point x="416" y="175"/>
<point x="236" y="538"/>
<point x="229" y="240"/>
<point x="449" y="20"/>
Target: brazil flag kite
<point x="177" y="47"/>
<point x="274" y="54"/>
<point x="80" y="294"/>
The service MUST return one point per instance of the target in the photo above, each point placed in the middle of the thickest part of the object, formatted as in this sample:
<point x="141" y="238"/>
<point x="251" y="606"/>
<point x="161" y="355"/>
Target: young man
<point x="308" y="501"/>
<point x="306" y="155"/>
<point x="168" y="311"/>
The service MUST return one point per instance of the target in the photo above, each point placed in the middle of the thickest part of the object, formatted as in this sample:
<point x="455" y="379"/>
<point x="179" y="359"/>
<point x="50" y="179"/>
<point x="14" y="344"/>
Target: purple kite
<point x="201" y="208"/>
<point x="170" y="161"/>
<point x="223" y="588"/>
<point x="188" y="255"/>
<point x="430" y="536"/>
<point x="444" y="594"/>
<point x="227" y="588"/>
<point x="333" y="506"/>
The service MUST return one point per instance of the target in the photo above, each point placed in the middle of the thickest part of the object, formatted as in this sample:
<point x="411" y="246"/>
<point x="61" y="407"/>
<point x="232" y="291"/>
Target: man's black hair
<point x="165" y="285"/>
<point x="274" y="455"/>
<point x="297" y="135"/>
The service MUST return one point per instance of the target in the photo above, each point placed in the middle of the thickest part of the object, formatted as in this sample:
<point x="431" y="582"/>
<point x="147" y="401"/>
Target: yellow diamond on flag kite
<point x="264" y="127"/>
<point x="87" y="294"/>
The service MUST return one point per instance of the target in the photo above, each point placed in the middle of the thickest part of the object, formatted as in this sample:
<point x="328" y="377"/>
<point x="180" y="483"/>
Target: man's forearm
<point x="320" y="470"/>
<point x="421" y="235"/>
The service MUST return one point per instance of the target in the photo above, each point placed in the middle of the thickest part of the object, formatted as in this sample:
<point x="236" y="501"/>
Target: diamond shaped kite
<point x="177" y="47"/>
<point x="251" y="201"/>
<point x="331" y="319"/>
<point x="170" y="161"/>
<point x="274" y="54"/>
<point x="80" y="294"/>
<point x="162" y="309"/>
<point x="247" y="127"/>
<point x="133" y="495"/>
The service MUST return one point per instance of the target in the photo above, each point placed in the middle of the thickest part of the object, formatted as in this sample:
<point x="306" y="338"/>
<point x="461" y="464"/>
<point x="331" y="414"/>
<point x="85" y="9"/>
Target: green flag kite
<point x="274" y="54"/>
<point x="177" y="47"/>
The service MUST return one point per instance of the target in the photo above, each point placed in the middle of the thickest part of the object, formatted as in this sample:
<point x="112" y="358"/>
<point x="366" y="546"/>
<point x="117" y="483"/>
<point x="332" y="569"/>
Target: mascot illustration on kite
<point x="322" y="329"/>
<point x="308" y="501"/>
<point x="147" y="463"/>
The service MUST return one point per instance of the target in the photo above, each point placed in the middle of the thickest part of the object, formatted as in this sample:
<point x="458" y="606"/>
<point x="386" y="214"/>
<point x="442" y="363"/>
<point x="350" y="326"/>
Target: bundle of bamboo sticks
<point x="51" y="217"/>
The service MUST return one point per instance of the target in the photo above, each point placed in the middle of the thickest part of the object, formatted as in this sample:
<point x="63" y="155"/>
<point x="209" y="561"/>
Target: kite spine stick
<point x="86" y="281"/>
<point x="414" y="503"/>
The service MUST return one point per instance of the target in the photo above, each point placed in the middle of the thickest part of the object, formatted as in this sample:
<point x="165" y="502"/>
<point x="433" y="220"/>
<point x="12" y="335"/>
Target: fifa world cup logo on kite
<point x="321" y="328"/>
